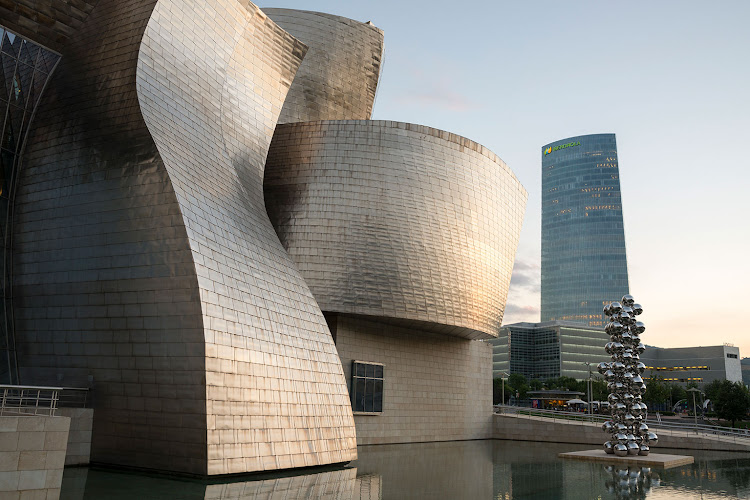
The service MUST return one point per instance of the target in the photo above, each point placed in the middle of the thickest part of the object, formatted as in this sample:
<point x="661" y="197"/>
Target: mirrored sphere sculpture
<point x="629" y="435"/>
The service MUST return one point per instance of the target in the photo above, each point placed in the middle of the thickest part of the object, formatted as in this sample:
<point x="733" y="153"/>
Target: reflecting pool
<point x="500" y="470"/>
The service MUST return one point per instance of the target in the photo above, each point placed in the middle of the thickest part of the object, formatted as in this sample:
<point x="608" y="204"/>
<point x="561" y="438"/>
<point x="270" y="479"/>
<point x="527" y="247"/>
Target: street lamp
<point x="695" y="410"/>
<point x="502" y="401"/>
<point x="588" y="385"/>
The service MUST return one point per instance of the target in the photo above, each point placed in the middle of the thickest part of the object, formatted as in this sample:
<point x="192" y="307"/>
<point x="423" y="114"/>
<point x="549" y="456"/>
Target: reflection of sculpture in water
<point x="629" y="434"/>
<point x="631" y="483"/>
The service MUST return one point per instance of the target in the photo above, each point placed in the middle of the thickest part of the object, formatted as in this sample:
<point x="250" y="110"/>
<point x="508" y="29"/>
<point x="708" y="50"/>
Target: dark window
<point x="367" y="387"/>
<point x="733" y="356"/>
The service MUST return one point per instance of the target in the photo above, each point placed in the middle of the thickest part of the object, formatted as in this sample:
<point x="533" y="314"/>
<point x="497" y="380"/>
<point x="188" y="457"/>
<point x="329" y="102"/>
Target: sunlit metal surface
<point x="272" y="371"/>
<point x="338" y="78"/>
<point x="146" y="265"/>
<point x="397" y="221"/>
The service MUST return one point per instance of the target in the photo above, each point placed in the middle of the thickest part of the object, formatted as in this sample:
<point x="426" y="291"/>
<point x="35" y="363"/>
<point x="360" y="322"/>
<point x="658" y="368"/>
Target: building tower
<point x="583" y="242"/>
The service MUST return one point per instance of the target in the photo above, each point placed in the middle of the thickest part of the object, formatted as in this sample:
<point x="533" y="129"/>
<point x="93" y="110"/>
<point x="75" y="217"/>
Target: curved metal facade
<point x="145" y="264"/>
<point x="413" y="224"/>
<point x="270" y="355"/>
<point x="338" y="78"/>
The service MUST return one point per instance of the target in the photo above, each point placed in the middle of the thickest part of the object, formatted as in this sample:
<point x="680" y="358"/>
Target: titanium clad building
<point x="548" y="350"/>
<point x="584" y="263"/>
<point x="233" y="310"/>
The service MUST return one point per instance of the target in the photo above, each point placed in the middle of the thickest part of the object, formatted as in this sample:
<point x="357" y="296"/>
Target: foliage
<point x="657" y="391"/>
<point x="731" y="401"/>
<point x="536" y="384"/>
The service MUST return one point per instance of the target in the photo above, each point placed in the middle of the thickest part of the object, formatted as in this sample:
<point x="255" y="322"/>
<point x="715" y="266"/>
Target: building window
<point x="367" y="387"/>
<point x="732" y="356"/>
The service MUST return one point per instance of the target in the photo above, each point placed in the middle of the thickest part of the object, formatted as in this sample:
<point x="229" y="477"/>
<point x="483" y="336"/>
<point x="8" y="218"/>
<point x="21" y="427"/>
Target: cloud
<point x="526" y="277"/>
<point x="521" y="310"/>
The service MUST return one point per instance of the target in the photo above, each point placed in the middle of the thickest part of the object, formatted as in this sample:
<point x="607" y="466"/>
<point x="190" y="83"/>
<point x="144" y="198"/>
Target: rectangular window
<point x="367" y="387"/>
<point x="733" y="356"/>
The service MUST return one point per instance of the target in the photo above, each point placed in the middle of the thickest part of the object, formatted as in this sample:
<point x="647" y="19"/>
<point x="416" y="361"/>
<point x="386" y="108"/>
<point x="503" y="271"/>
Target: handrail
<point x="664" y="425"/>
<point x="28" y="400"/>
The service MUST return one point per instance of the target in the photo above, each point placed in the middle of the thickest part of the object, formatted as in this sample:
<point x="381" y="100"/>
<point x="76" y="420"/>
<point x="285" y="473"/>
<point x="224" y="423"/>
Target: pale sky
<point x="671" y="79"/>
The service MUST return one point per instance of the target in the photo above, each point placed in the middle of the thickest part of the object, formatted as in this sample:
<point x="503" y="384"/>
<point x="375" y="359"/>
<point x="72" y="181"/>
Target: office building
<point x="548" y="350"/>
<point x="700" y="365"/>
<point x="143" y="262"/>
<point x="584" y="263"/>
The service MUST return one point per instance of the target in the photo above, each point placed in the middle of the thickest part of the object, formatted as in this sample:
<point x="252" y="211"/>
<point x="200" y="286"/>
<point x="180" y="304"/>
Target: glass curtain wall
<point x="584" y="264"/>
<point x="26" y="67"/>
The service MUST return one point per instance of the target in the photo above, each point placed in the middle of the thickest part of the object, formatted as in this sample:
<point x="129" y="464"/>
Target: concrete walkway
<point x="537" y="428"/>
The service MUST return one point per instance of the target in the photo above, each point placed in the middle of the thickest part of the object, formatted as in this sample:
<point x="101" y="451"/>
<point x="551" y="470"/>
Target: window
<point x="732" y="356"/>
<point x="367" y="387"/>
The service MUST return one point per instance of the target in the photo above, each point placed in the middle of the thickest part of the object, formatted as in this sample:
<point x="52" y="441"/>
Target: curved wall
<point x="104" y="284"/>
<point x="413" y="224"/>
<point x="338" y="78"/>
<point x="211" y="88"/>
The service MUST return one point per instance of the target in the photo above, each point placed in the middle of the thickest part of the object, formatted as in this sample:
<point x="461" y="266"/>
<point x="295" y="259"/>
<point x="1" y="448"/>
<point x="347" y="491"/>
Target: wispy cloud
<point x="424" y="91"/>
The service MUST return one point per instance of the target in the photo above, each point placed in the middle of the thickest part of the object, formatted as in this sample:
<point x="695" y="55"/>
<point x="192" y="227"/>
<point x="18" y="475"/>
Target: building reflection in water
<point x="472" y="470"/>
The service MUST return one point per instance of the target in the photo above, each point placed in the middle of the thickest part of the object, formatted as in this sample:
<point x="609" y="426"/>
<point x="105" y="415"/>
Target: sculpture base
<point x="650" y="460"/>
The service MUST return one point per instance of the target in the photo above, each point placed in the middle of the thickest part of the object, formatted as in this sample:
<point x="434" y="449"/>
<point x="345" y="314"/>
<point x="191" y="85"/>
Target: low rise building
<point x="700" y="364"/>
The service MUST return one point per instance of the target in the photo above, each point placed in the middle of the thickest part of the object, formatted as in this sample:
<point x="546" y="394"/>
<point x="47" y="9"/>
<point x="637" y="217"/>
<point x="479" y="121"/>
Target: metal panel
<point x="398" y="221"/>
<point x="211" y="88"/>
<point x="339" y="76"/>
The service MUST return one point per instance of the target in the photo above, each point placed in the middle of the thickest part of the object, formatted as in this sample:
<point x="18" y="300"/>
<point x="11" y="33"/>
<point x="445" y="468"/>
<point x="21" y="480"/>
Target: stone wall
<point x="79" y="437"/>
<point x="437" y="387"/>
<point x="516" y="428"/>
<point x="32" y="456"/>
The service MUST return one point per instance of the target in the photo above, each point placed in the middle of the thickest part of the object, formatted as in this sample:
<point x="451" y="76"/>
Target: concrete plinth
<point x="650" y="460"/>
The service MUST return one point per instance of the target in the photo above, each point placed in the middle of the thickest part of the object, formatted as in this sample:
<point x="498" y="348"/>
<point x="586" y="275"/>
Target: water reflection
<point x="491" y="470"/>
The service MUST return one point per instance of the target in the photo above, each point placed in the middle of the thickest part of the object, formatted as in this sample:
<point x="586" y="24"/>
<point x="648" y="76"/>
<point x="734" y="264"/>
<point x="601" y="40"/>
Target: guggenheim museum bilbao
<point x="206" y="228"/>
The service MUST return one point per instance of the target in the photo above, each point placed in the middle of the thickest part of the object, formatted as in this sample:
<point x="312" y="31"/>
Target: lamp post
<point x="588" y="386"/>
<point x="502" y="401"/>
<point x="695" y="410"/>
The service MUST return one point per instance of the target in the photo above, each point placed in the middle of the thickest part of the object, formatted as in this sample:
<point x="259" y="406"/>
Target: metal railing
<point x="665" y="427"/>
<point x="29" y="400"/>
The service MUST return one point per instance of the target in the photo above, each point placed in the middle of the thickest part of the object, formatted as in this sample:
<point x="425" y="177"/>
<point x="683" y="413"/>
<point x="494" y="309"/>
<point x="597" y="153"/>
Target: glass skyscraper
<point x="584" y="265"/>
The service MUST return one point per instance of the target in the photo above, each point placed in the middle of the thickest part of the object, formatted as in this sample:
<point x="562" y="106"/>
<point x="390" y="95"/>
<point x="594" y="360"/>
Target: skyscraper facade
<point x="584" y="264"/>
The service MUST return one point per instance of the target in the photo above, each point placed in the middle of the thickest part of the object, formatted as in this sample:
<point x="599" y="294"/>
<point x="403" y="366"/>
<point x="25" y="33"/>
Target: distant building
<point x="745" y="366"/>
<point x="548" y="350"/>
<point x="561" y="348"/>
<point x="702" y="364"/>
<point x="583" y="241"/>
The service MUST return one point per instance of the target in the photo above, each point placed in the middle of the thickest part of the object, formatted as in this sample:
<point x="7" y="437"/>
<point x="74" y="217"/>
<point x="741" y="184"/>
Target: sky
<point x="671" y="79"/>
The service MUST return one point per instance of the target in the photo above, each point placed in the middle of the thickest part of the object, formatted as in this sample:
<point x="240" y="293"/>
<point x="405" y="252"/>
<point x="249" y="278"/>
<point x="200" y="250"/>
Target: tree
<point x="599" y="390"/>
<point x="517" y="384"/>
<point x="676" y="393"/>
<point x="732" y="401"/>
<point x="657" y="391"/>
<point x="535" y="384"/>
<point x="497" y="391"/>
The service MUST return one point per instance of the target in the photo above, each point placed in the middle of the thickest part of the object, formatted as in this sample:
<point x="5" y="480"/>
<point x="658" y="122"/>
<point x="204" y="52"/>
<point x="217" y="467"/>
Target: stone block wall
<point x="79" y="437"/>
<point x="437" y="387"/>
<point x="32" y="456"/>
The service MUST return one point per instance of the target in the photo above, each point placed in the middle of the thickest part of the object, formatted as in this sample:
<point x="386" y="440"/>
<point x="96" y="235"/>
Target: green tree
<point x="497" y="391"/>
<point x="676" y="393"/>
<point x="732" y="401"/>
<point x="657" y="391"/>
<point x="536" y="384"/>
<point x="518" y="385"/>
<point x="599" y="390"/>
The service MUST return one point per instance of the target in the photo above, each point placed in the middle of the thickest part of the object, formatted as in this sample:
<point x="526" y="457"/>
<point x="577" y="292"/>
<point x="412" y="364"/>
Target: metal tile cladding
<point x="398" y="221"/>
<point x="338" y="78"/>
<point x="145" y="261"/>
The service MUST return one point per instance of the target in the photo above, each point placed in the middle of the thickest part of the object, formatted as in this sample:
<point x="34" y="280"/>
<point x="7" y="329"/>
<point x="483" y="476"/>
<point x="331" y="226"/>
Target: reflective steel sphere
<point x="639" y="327"/>
<point x="627" y="300"/>
<point x="615" y="307"/>
<point x="608" y="426"/>
<point x="637" y="309"/>
<point x="609" y="448"/>
<point x="652" y="438"/>
<point x="620" y="450"/>
<point x="644" y="450"/>
<point x="602" y="367"/>
<point x="633" y="448"/>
